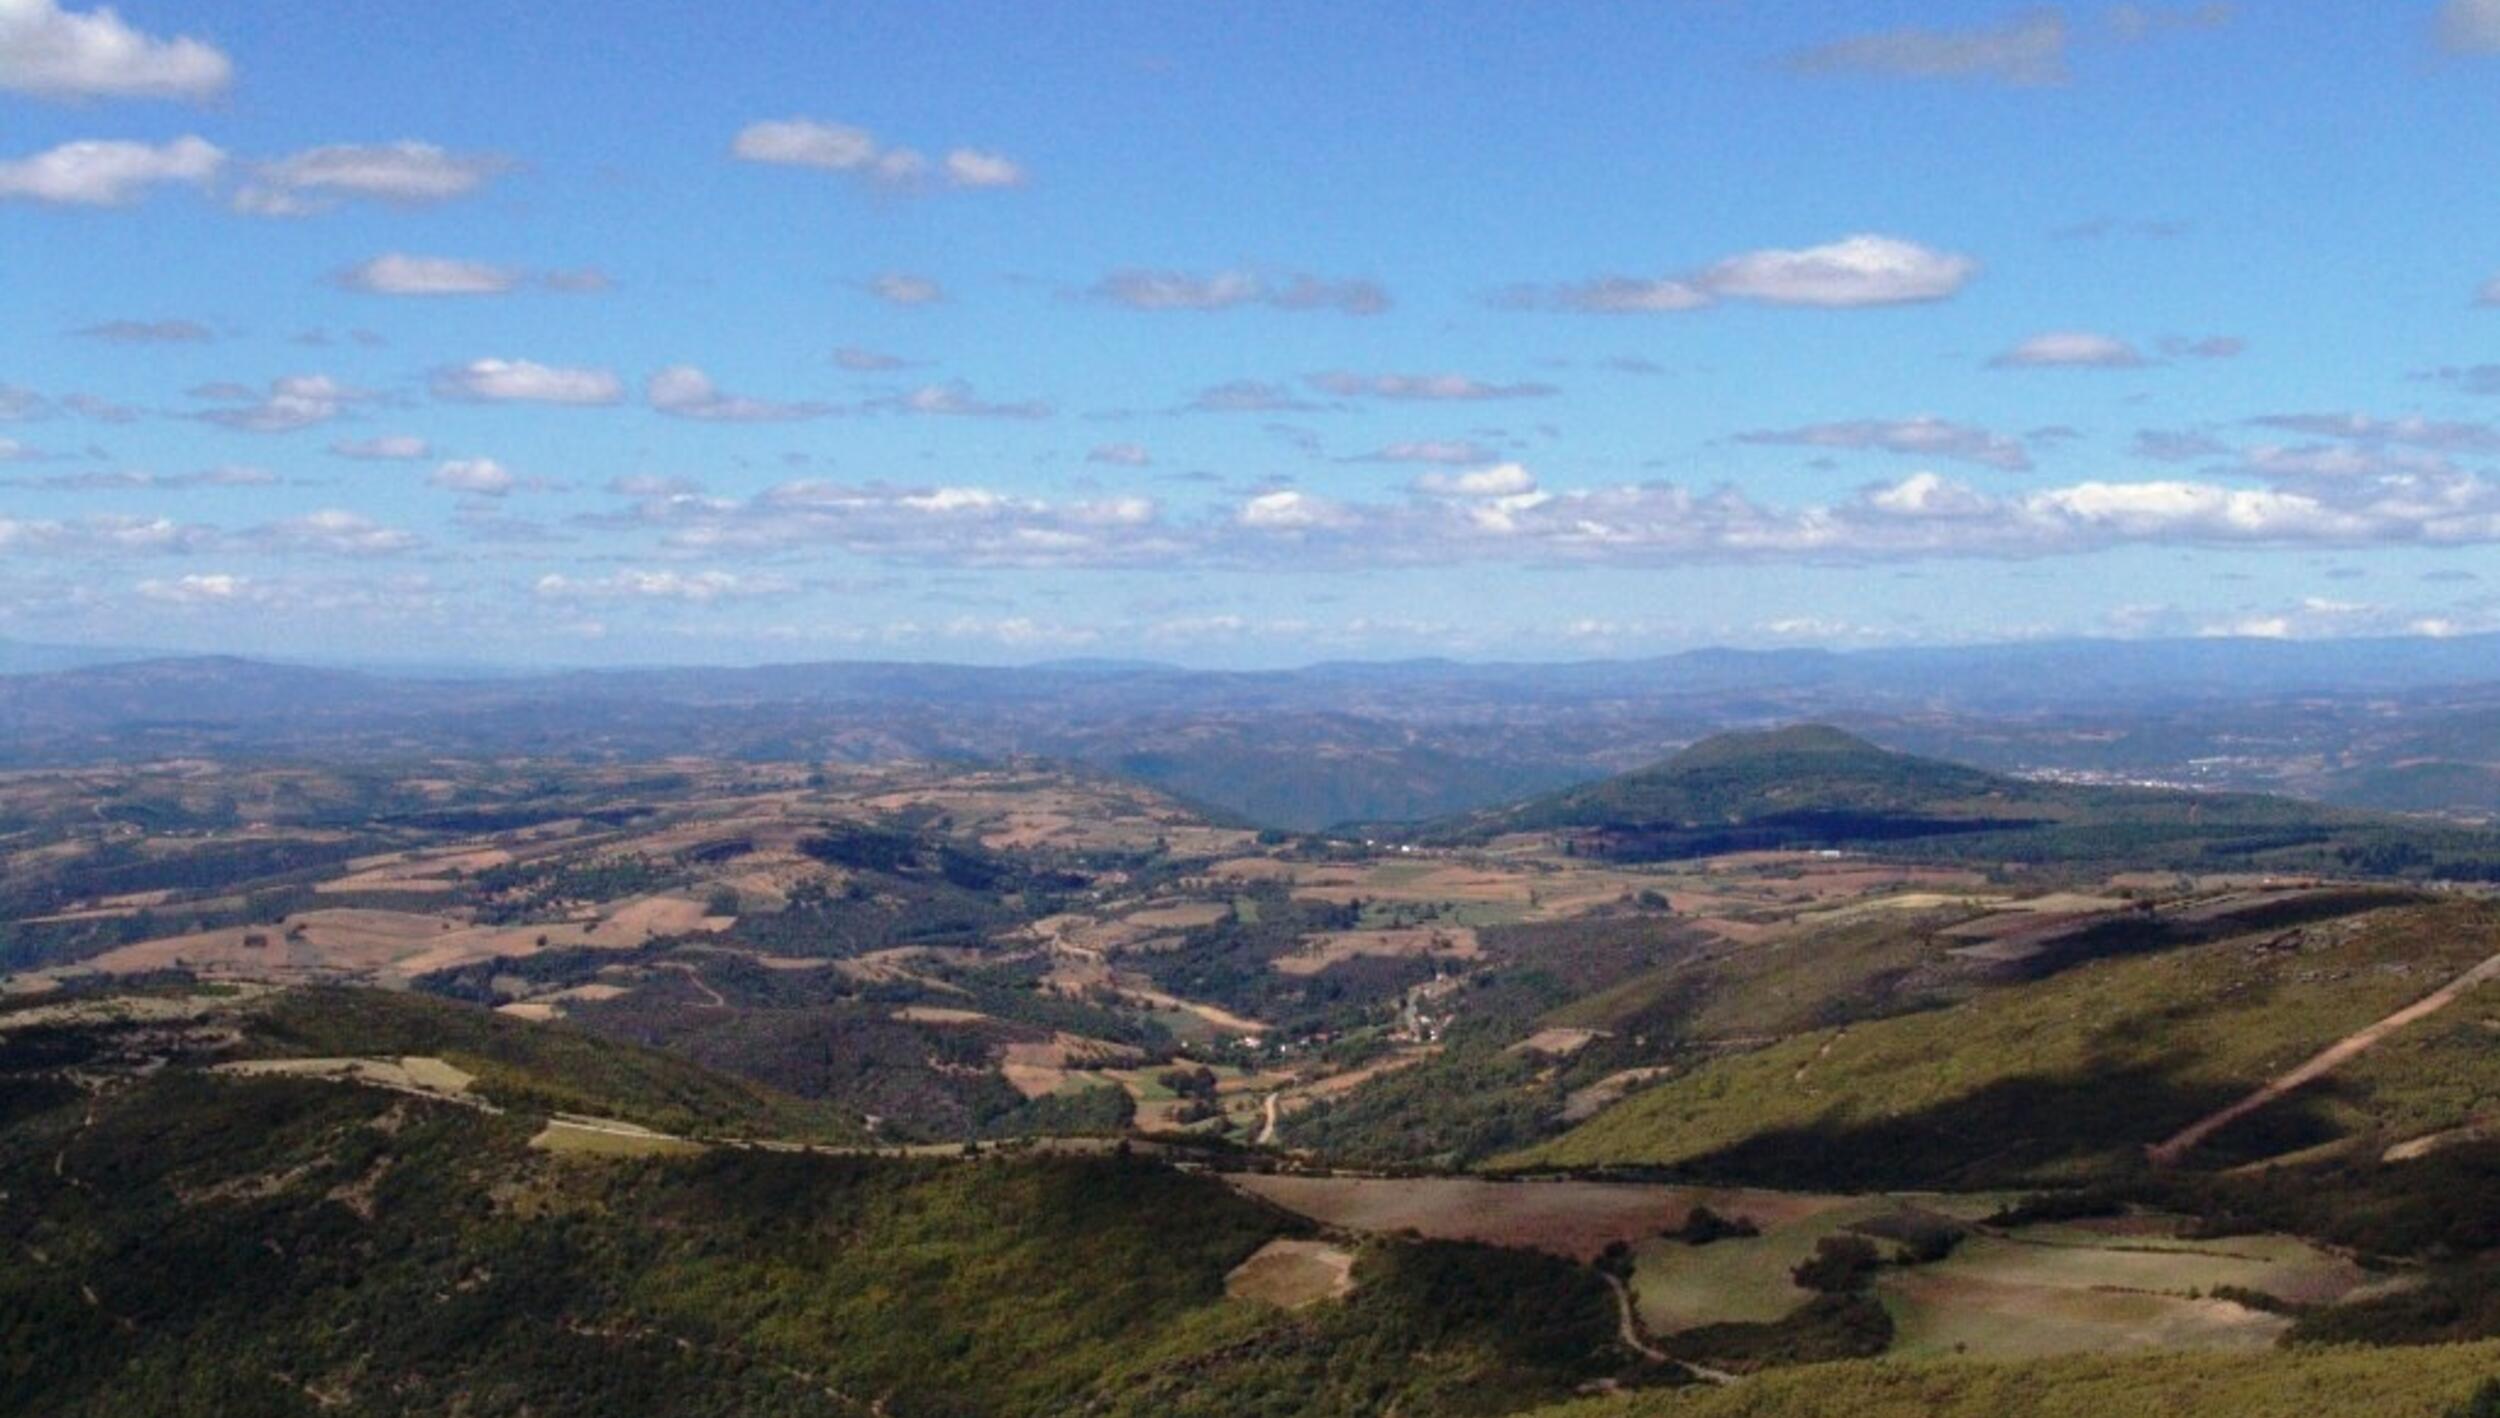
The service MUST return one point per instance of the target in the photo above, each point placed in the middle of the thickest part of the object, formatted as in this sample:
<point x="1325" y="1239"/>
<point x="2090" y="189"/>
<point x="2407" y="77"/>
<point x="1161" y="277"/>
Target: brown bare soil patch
<point x="1403" y="943"/>
<point x="1575" y="1219"/>
<point x="1293" y="1274"/>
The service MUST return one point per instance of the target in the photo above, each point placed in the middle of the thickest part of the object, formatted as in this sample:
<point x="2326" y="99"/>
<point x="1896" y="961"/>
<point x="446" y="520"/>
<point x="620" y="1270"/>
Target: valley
<point x="1790" y="1050"/>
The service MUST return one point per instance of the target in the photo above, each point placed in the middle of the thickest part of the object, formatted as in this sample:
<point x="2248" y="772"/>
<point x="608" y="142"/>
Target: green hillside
<point x="2441" y="1382"/>
<point x="2068" y="1078"/>
<point x="189" y="1241"/>
<point x="1812" y="786"/>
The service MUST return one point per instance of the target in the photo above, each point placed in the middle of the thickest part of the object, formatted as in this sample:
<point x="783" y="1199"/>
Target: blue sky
<point x="1242" y="335"/>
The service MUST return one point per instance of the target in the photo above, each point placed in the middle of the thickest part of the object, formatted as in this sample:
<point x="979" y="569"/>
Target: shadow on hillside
<point x="2016" y="1132"/>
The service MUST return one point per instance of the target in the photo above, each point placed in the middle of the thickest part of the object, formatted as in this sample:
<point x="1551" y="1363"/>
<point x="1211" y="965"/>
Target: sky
<point x="1236" y="334"/>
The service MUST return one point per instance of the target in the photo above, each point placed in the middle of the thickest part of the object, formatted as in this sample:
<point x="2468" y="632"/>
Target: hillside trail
<point x="2319" y="1065"/>
<point x="713" y="997"/>
<point x="1267" y="1134"/>
<point x="1628" y="1329"/>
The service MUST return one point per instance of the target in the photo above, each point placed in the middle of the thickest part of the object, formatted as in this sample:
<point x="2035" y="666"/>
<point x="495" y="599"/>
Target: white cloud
<point x="1226" y="290"/>
<point x="2082" y="349"/>
<point x="1500" y="480"/>
<point x="49" y="52"/>
<point x="199" y="588"/>
<point x="1612" y="295"/>
<point x="396" y="273"/>
<point x="1866" y="269"/>
<point x="695" y="587"/>
<point x="958" y="400"/>
<point x="108" y="173"/>
<point x="860" y="361"/>
<point x="687" y="392"/>
<point x="526" y="381"/>
<point x="845" y="148"/>
<point x="478" y="477"/>
<point x="330" y="531"/>
<point x="1431" y="387"/>
<point x="2026" y="51"/>
<point x="902" y="288"/>
<point x="389" y="447"/>
<point x="1290" y="511"/>
<point x="296" y="401"/>
<point x="1923" y="437"/>
<point x="1860" y="270"/>
<point x="967" y="167"/>
<point x="2470" y="26"/>
<point x="2488" y="293"/>
<point x="405" y="173"/>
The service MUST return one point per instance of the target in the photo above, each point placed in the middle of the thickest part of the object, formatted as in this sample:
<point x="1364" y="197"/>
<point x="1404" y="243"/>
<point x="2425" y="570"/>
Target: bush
<point x="1840" y="1265"/>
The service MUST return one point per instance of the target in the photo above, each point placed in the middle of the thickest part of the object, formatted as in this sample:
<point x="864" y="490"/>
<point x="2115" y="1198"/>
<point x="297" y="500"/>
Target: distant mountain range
<point x="2407" y="724"/>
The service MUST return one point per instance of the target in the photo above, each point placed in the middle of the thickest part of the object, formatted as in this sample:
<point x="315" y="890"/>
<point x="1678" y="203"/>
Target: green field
<point x="2432" y="1382"/>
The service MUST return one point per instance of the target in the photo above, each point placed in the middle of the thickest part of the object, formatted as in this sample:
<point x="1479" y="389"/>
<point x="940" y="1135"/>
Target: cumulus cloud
<point x="945" y="524"/>
<point x="197" y="588"/>
<point x="1289" y="510"/>
<point x="2470" y="26"/>
<point x="1502" y="514"/>
<point x="109" y="173"/>
<point x="970" y="167"/>
<point x="110" y="535"/>
<point x="386" y="448"/>
<point x="1226" y="290"/>
<point x="957" y="400"/>
<point x="1861" y="270"/>
<point x="147" y="332"/>
<point x="1432" y="387"/>
<point x="329" y="531"/>
<point x="2080" y="349"/>
<point x="684" y="391"/>
<point x="903" y="288"/>
<point x="296" y="401"/>
<point x="1865" y="269"/>
<point x="1611" y="295"/>
<point x="845" y="148"/>
<point x="477" y="477"/>
<point x="2026" y="51"/>
<point x="1501" y="480"/>
<point x="526" y="381"/>
<point x="693" y="587"/>
<point x="405" y="173"/>
<point x="396" y="273"/>
<point x="52" y="53"/>
<point x="1922" y="437"/>
<point x="1124" y="455"/>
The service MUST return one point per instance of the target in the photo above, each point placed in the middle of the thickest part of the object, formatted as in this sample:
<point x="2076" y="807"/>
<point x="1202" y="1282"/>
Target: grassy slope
<point x="2068" y="1075"/>
<point x="543" y="1067"/>
<point x="286" y="1247"/>
<point x="2383" y="1383"/>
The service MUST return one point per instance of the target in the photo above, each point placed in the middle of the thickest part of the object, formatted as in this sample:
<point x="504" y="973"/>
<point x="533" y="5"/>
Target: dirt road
<point x="2324" y="1062"/>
